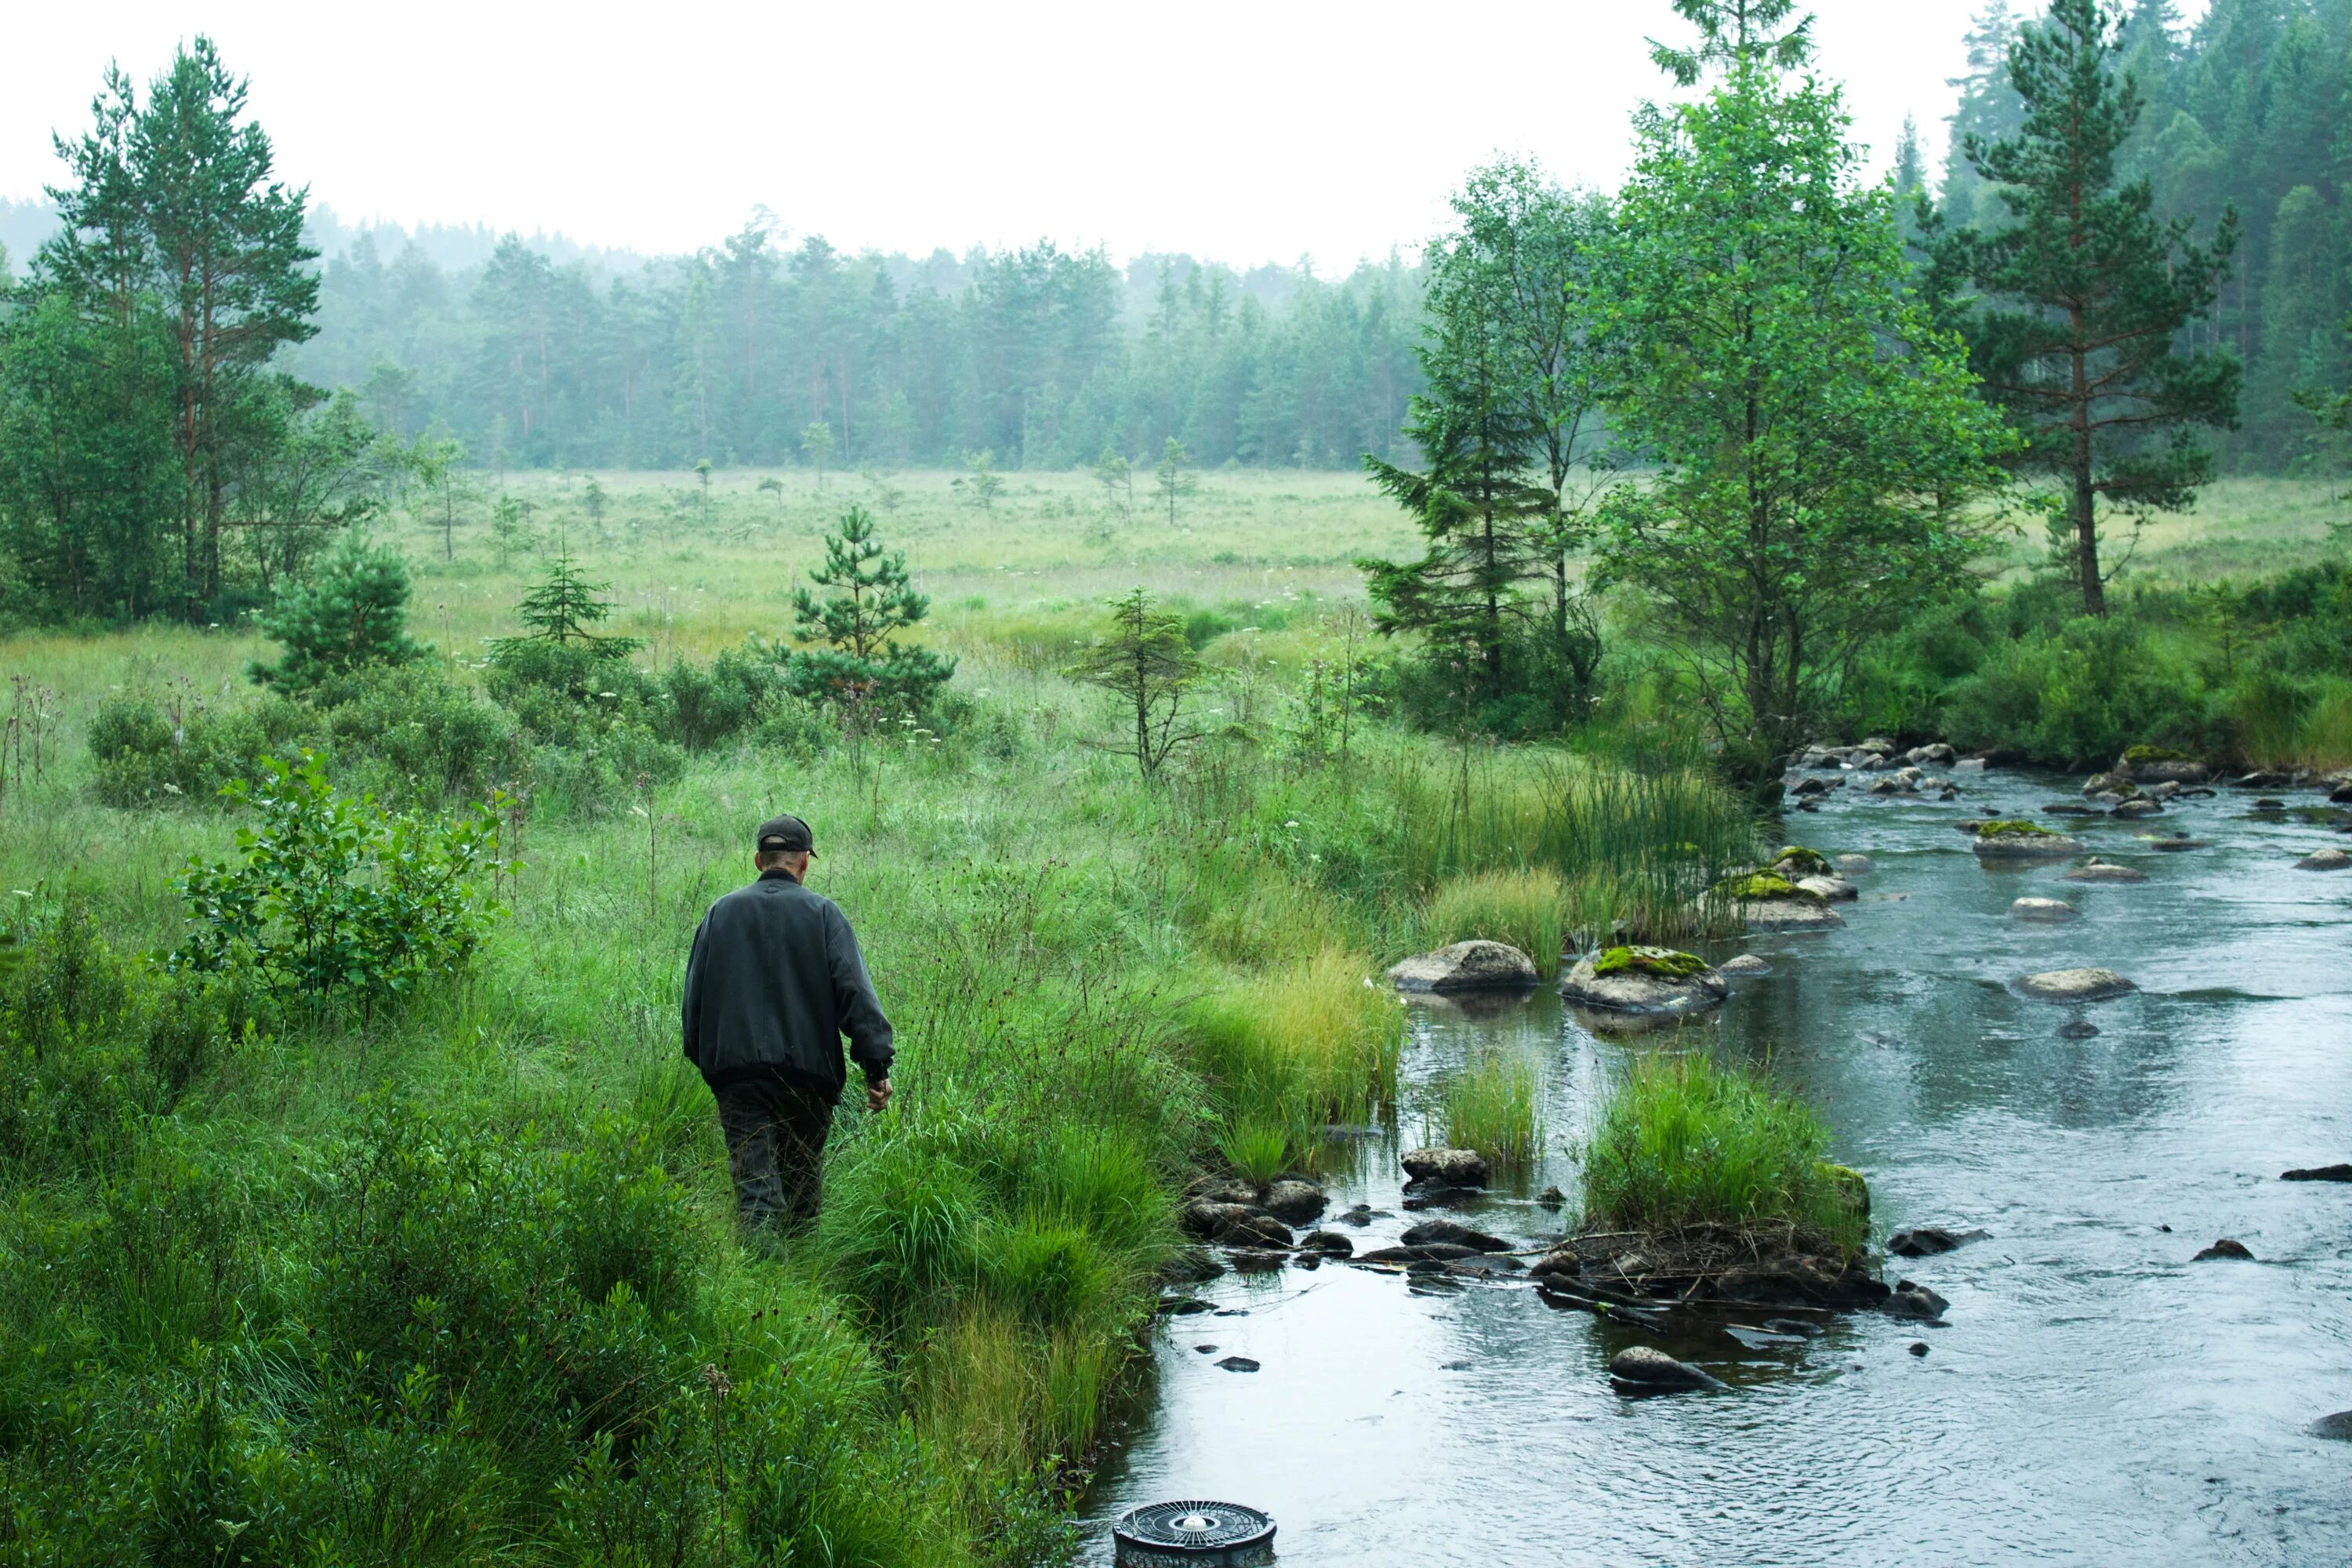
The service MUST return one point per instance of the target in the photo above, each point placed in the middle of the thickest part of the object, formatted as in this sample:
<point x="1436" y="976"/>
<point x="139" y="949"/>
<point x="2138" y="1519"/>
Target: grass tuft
<point x="1494" y="1106"/>
<point x="1683" y="1143"/>
<point x="1526" y="907"/>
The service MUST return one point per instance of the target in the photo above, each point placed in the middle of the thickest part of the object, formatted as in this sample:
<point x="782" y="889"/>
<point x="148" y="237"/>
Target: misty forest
<point x="1660" y="880"/>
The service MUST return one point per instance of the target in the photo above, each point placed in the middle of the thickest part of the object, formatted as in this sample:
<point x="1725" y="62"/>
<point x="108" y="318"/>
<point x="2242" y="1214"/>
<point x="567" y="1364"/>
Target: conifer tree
<point x="1148" y="664"/>
<point x="2085" y="293"/>
<point x="868" y="600"/>
<point x="353" y="612"/>
<point x="563" y="608"/>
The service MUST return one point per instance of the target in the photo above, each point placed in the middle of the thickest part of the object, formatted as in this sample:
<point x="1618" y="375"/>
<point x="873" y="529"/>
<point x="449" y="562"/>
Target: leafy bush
<point x="149" y="746"/>
<point x="698" y="706"/>
<point x="1683" y="1143"/>
<point x="420" y="737"/>
<point x="566" y="692"/>
<point x="336" y="894"/>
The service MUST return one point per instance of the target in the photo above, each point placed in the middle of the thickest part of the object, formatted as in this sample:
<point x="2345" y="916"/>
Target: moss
<point x="1797" y="860"/>
<point x="2154" y="754"/>
<point x="2013" y="830"/>
<point x="1759" y="886"/>
<point x="1659" y="961"/>
<point x="1851" y="1187"/>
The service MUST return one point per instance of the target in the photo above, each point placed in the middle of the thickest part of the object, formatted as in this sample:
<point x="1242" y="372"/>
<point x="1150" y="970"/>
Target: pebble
<point x="1918" y="1347"/>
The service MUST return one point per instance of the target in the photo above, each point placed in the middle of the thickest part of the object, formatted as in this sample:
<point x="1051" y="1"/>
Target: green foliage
<point x="1300" y="1045"/>
<point x="1148" y="665"/>
<point x="1664" y="961"/>
<point x="1256" y="1148"/>
<point x="869" y="599"/>
<point x="1817" y="440"/>
<point x="1494" y="1106"/>
<point x="562" y="610"/>
<point x="1760" y="885"/>
<point x="2086" y="292"/>
<point x="1172" y="475"/>
<point x="147" y="747"/>
<point x="1683" y="1143"/>
<point x="334" y="894"/>
<point x="409" y="733"/>
<point x="1528" y="908"/>
<point x="2013" y="829"/>
<point x="352" y="613"/>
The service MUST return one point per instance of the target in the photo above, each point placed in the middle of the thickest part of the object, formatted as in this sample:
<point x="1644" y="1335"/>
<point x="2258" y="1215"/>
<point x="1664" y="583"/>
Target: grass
<point x="1494" y="1106"/>
<point x="1306" y="1044"/>
<point x="1526" y="907"/>
<point x="1683" y="1143"/>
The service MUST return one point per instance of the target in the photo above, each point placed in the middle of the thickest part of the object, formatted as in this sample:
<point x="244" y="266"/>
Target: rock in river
<point x="1647" y="981"/>
<point x="2139" y="806"/>
<point x="1238" y="1364"/>
<point x="1767" y="901"/>
<point x="2338" y="1426"/>
<point x="2325" y="861"/>
<point x="1836" y="889"/>
<point x="1855" y="865"/>
<point x="1642" y="1369"/>
<point x="1456" y="1234"/>
<point x="1475" y="965"/>
<point x="2019" y="840"/>
<point x="2320" y="1173"/>
<point x="1917" y="1302"/>
<point x="2098" y="871"/>
<point x="1745" y="963"/>
<point x="1926" y="1240"/>
<point x="2076" y="985"/>
<point x="2042" y="910"/>
<point x="1294" y="1203"/>
<point x="1233" y="1224"/>
<point x="1446" y="1167"/>
<point x="1326" y="1241"/>
<point x="2224" y="1250"/>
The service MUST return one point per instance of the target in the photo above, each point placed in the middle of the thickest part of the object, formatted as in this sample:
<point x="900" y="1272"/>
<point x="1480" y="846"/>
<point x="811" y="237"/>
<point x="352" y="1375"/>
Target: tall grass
<point x="1494" y="1106"/>
<point x="1683" y="1143"/>
<point x="1526" y="907"/>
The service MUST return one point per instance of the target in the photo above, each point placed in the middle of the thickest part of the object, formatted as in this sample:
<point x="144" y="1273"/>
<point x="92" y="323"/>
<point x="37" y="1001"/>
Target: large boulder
<point x="2098" y="871"/>
<point x="1768" y="901"/>
<point x="2153" y="765"/>
<point x="2325" y="861"/>
<point x="1232" y="1225"/>
<point x="1294" y="1203"/>
<point x="1445" y="1167"/>
<point x="2076" y="985"/>
<point x="1645" y="981"/>
<point x="1835" y="889"/>
<point x="1474" y="965"/>
<point x="2019" y="840"/>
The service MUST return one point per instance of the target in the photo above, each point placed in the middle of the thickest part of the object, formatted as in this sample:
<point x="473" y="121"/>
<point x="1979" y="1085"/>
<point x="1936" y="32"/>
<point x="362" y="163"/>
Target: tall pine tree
<point x="2084" y="294"/>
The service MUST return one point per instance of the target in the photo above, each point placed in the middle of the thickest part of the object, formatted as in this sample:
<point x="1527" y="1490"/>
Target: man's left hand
<point x="877" y="1093"/>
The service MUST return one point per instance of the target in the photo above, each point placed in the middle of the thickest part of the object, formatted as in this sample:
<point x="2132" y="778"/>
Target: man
<point x="773" y="982"/>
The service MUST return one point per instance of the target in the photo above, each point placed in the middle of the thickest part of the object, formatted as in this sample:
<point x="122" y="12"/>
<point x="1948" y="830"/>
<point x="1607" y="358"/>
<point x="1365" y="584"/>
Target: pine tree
<point x="2085" y="293"/>
<point x="352" y="613"/>
<point x="1148" y="664"/>
<point x="869" y="599"/>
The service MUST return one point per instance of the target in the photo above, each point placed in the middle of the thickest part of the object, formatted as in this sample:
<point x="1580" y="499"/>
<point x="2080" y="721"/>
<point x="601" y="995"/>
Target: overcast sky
<point x="1243" y="133"/>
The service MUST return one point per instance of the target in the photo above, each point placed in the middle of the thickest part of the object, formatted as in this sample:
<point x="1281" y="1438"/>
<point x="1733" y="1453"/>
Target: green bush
<point x="417" y="735"/>
<point x="566" y="693"/>
<point x="147" y="747"/>
<point x="334" y="894"/>
<point x="698" y="706"/>
<point x="1683" y="1142"/>
<point x="351" y="614"/>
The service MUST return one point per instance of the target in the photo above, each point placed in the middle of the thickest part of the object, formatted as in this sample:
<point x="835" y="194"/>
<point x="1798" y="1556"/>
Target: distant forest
<point x="542" y="352"/>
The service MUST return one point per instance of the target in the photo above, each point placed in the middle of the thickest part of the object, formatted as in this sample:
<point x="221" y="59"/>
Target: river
<point x="2097" y="1398"/>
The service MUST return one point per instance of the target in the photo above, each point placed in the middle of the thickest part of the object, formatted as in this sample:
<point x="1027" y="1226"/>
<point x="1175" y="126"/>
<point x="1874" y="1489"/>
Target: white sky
<point x="1242" y="132"/>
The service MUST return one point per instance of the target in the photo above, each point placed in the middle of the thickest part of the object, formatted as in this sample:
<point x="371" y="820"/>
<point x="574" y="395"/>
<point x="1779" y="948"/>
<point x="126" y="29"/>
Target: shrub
<point x="1683" y="1142"/>
<point x="334" y="894"/>
<point x="566" y="692"/>
<point x="696" y="706"/>
<point x="147" y="747"/>
<point x="1494" y="1106"/>
<point x="424" y="738"/>
<point x="1528" y="908"/>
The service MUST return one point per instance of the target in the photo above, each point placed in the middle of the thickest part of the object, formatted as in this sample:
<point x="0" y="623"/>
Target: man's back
<point x="774" y="981"/>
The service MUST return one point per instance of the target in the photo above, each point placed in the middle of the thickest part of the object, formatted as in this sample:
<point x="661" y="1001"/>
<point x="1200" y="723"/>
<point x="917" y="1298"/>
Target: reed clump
<point x="1685" y="1143"/>
<point x="1526" y="907"/>
<point x="1494" y="1105"/>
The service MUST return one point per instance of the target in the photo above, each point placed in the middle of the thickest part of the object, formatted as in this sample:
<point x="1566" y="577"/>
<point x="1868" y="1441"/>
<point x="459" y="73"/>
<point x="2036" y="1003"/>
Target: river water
<point x="2097" y="1397"/>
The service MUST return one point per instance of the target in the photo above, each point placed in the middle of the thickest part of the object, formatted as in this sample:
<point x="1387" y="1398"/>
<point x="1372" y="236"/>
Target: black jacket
<point x="773" y="982"/>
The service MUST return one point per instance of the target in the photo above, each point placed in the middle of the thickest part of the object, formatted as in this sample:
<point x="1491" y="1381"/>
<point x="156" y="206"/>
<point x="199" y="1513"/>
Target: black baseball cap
<point x="787" y="833"/>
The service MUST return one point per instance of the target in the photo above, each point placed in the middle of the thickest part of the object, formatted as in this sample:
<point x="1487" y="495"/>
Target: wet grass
<point x="1685" y="1143"/>
<point x="1493" y="1105"/>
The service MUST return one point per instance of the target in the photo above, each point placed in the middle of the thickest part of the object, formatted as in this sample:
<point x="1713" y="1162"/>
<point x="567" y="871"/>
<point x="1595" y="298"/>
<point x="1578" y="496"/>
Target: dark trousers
<point x="775" y="1150"/>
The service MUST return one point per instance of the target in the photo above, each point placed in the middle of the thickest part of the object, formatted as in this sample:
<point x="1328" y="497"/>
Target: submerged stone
<point x="2076" y="985"/>
<point x="2320" y="1173"/>
<point x="1457" y="1233"/>
<point x="1928" y="1240"/>
<point x="1855" y="865"/>
<point x="1475" y="966"/>
<point x="2330" y="859"/>
<point x="2098" y="871"/>
<point x="1645" y="1369"/>
<point x="2337" y="1426"/>
<point x="2042" y="910"/>
<point x="1745" y="963"/>
<point x="1238" y="1364"/>
<point x="2225" y="1251"/>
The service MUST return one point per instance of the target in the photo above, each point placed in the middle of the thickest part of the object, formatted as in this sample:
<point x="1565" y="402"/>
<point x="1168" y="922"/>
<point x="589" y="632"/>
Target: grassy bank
<point x="456" y="1279"/>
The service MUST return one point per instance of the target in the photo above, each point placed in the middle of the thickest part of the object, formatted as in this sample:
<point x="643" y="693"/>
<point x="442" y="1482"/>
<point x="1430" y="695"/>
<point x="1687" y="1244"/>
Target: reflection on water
<point x="2097" y="1398"/>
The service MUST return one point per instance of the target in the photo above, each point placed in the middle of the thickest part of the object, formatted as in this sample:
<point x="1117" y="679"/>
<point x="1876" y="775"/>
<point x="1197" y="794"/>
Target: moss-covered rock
<point x="2154" y="754"/>
<point x="1759" y="887"/>
<point x="2013" y="829"/>
<point x="1796" y="860"/>
<point x="1659" y="961"/>
<point x="2023" y="840"/>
